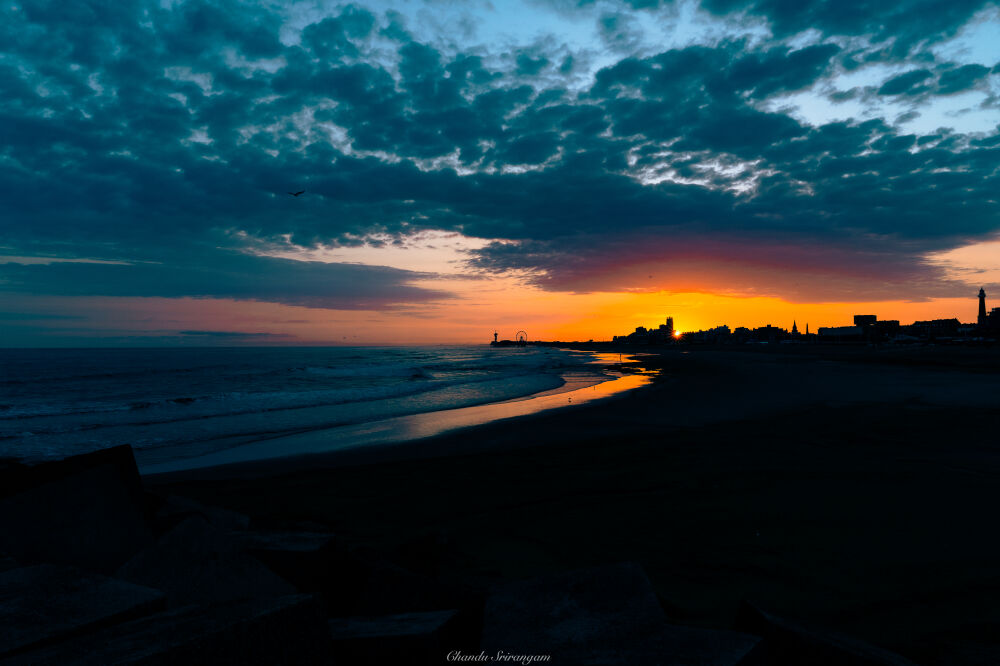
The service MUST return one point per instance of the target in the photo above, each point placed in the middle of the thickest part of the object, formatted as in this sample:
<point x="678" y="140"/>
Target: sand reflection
<point x="410" y="427"/>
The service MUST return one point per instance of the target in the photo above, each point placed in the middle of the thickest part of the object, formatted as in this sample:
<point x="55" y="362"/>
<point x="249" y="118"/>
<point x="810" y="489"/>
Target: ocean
<point x="177" y="404"/>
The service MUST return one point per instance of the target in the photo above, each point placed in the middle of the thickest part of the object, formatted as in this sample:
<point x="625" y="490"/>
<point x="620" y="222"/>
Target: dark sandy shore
<point x="852" y="488"/>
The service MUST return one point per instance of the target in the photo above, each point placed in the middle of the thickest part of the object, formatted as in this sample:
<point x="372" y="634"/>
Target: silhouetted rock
<point x="405" y="638"/>
<point x="286" y="630"/>
<point x="45" y="603"/>
<point x="7" y="562"/>
<point x="173" y="509"/>
<point x="965" y="653"/>
<point x="354" y="581"/>
<point x="604" y="615"/>
<point x="427" y="554"/>
<point x="789" y="643"/>
<point x="196" y="563"/>
<point x="88" y="511"/>
<point x="283" y="541"/>
<point x="298" y="557"/>
<point x="388" y="588"/>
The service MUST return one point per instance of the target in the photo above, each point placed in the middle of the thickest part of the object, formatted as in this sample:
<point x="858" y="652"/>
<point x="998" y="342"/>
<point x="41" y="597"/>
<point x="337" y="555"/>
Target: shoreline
<point x="798" y="483"/>
<point x="411" y="436"/>
<point x="680" y="377"/>
<point x="165" y="429"/>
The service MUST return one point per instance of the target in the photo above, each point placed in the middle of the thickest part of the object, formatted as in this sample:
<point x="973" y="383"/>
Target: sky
<point x="571" y="168"/>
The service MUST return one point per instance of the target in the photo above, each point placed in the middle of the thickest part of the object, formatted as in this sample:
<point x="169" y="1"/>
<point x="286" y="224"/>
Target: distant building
<point x="663" y="334"/>
<point x="993" y="320"/>
<point x="717" y="335"/>
<point x="874" y="330"/>
<point x="866" y="329"/>
<point x="840" y="332"/>
<point x="769" y="334"/>
<point x="934" y="328"/>
<point x="887" y="328"/>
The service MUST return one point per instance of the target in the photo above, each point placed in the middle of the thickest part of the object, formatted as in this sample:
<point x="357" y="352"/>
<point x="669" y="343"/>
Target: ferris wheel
<point x="521" y="337"/>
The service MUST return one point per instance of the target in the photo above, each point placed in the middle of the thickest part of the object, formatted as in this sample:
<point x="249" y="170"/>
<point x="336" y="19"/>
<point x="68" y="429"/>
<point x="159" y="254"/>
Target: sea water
<point x="172" y="404"/>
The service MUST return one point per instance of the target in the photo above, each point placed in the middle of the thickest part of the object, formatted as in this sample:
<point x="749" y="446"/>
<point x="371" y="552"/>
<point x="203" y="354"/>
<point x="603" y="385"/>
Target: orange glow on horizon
<point x="479" y="308"/>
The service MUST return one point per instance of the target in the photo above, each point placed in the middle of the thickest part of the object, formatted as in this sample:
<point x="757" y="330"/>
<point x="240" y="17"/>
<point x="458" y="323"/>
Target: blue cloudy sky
<point x="824" y="152"/>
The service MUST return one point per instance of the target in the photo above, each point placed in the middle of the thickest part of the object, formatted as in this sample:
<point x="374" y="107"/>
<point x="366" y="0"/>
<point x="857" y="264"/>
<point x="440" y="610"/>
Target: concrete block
<point x="790" y="643"/>
<point x="173" y="509"/>
<point x="605" y="615"/>
<point x="197" y="564"/>
<point x="44" y="604"/>
<point x="285" y="630"/>
<point x="87" y="511"/>
<point x="405" y="638"/>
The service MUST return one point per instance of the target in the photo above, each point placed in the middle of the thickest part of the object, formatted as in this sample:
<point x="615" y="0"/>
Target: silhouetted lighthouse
<point x="982" y="307"/>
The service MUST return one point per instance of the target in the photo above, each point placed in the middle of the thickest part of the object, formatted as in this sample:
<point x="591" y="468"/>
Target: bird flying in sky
<point x="295" y="194"/>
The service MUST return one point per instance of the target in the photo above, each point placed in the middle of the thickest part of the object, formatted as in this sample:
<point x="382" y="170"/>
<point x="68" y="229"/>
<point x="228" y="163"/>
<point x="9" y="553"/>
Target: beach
<point x="848" y="487"/>
<point x="173" y="406"/>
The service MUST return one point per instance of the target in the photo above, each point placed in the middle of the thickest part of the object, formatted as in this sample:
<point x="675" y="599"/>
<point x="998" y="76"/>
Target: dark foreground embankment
<point x="792" y="498"/>
<point x="847" y="492"/>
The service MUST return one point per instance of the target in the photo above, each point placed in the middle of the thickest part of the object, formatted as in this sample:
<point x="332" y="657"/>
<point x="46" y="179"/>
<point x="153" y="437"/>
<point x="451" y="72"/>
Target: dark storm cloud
<point x="904" y="23"/>
<point x="149" y="134"/>
<point x="945" y="79"/>
<point x="33" y="316"/>
<point x="224" y="275"/>
<point x="231" y="335"/>
<point x="908" y="83"/>
<point x="619" y="31"/>
<point x="735" y="264"/>
<point x="961" y="79"/>
<point x="781" y="70"/>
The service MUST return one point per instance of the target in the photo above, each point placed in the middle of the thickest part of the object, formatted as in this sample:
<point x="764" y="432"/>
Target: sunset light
<point x="382" y="174"/>
<point x="515" y="331"/>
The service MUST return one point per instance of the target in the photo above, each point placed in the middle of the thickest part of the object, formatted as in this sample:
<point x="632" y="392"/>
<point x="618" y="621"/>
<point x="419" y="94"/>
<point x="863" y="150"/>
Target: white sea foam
<point x="175" y="401"/>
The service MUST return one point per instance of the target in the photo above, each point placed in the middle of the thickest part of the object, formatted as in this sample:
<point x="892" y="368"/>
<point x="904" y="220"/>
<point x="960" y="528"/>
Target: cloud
<point x="905" y="23"/>
<point x="225" y="275"/>
<point x="734" y="265"/>
<point x="908" y="83"/>
<point x="232" y="335"/>
<point x="961" y="79"/>
<point x="34" y="316"/>
<point x="143" y="132"/>
<point x="619" y="31"/>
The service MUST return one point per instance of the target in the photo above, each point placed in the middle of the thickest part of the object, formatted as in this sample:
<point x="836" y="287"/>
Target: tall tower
<point x="670" y="325"/>
<point x="982" y="307"/>
<point x="795" y="329"/>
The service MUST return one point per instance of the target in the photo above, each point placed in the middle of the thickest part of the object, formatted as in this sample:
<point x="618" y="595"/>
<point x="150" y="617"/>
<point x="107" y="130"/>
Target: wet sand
<point x="851" y="488"/>
<point x="299" y="449"/>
